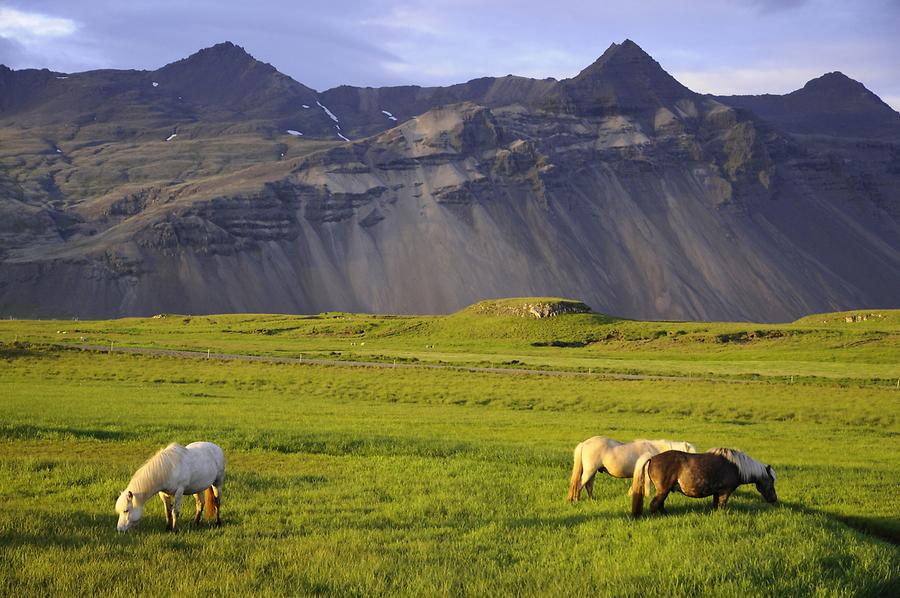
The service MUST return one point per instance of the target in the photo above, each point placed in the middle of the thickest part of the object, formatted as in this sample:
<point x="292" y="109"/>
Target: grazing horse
<point x="172" y="472"/>
<point x="600" y="453"/>
<point x="717" y="473"/>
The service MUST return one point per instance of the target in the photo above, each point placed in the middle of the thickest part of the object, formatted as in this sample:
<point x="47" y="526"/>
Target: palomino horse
<point x="173" y="472"/>
<point x="716" y="473"/>
<point x="615" y="458"/>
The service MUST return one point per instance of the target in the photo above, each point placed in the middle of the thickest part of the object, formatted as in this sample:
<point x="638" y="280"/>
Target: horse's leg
<point x="723" y="498"/>
<point x="176" y="507"/>
<point x="663" y="487"/>
<point x="715" y="503"/>
<point x="589" y="486"/>
<point x="165" y="501"/>
<point x="592" y="463"/>
<point x="217" y="491"/>
<point x="587" y="481"/>
<point x="658" y="504"/>
<point x="198" y="505"/>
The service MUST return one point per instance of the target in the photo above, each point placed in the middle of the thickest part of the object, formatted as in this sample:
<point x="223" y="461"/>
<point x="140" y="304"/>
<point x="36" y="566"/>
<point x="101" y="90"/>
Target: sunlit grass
<point x="358" y="481"/>
<point x="823" y="346"/>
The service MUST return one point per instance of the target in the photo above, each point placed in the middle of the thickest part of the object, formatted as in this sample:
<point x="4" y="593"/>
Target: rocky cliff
<point x="133" y="193"/>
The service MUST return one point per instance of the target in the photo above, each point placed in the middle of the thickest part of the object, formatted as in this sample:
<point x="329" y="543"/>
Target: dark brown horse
<point x="717" y="473"/>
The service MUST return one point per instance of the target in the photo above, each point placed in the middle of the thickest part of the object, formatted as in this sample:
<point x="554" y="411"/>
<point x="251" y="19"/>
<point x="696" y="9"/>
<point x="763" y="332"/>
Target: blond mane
<point x="749" y="468"/>
<point x="662" y="443"/>
<point x="157" y="469"/>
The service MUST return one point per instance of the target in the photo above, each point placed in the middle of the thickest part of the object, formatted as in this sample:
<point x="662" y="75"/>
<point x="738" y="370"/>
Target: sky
<point x="712" y="46"/>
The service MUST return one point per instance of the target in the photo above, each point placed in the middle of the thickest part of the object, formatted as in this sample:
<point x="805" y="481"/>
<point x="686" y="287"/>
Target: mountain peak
<point x="226" y="48"/>
<point x="834" y="81"/>
<point x="836" y="92"/>
<point x="625" y="79"/>
<point x="833" y="104"/>
<point x="836" y="76"/>
<point x="222" y="56"/>
<point x="226" y="75"/>
<point x="625" y="54"/>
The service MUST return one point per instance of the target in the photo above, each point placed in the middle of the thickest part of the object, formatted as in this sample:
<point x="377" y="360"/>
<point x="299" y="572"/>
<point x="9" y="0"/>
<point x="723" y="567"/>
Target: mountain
<point x="833" y="104"/>
<point x="218" y="184"/>
<point x="225" y="76"/>
<point x="625" y="80"/>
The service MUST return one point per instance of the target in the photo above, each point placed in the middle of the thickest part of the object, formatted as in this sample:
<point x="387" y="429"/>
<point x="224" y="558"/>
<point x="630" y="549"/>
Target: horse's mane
<point x="670" y="444"/>
<point x="749" y="468"/>
<point x="157" y="469"/>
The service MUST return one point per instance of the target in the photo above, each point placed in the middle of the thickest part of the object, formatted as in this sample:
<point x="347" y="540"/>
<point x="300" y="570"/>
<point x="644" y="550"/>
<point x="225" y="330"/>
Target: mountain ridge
<point x="494" y="91"/>
<point x="619" y="186"/>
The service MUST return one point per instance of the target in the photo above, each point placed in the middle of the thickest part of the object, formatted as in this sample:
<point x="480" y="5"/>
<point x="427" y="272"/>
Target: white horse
<point x="600" y="453"/>
<point x="173" y="472"/>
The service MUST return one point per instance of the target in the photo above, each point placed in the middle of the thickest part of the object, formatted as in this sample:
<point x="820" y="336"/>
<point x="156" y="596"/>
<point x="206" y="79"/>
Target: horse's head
<point x="129" y="511"/>
<point x="766" y="485"/>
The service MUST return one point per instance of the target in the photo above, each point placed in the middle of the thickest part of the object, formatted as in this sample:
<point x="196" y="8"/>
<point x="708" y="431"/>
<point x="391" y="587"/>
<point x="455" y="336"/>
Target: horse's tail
<point x="210" y="503"/>
<point x="577" y="470"/>
<point x="640" y="484"/>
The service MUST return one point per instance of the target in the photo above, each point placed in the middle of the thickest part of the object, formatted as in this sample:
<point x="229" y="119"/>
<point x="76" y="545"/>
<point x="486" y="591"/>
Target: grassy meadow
<point x="344" y="480"/>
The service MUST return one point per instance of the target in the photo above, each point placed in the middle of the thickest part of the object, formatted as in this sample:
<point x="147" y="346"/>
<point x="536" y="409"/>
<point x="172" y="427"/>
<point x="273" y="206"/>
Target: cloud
<point x="540" y="63"/>
<point x="10" y="52"/>
<point x="730" y="81"/>
<point x="30" y="27"/>
<point x="409" y="19"/>
<point x="770" y="6"/>
<point x="33" y="39"/>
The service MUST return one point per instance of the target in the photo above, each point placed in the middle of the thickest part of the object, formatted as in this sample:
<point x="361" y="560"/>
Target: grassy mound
<point x="860" y="318"/>
<point x="528" y="307"/>
<point x="524" y="320"/>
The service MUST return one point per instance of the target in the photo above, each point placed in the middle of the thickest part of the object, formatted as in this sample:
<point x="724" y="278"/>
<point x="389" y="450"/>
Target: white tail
<point x="577" y="470"/>
<point x="640" y="484"/>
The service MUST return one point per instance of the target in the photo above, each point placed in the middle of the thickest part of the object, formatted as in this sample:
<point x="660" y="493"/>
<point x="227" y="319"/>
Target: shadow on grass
<point x="739" y="503"/>
<point x="566" y="521"/>
<point x="16" y="539"/>
<point x="80" y="529"/>
<point x="883" y="528"/>
<point x="30" y="432"/>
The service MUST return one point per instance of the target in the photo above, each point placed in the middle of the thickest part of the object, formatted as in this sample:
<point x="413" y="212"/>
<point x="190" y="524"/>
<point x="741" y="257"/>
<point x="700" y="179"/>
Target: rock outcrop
<point x="536" y="308"/>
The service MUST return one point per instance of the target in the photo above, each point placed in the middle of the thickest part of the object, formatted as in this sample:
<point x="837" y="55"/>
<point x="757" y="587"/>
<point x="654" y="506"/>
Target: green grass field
<point x="346" y="480"/>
